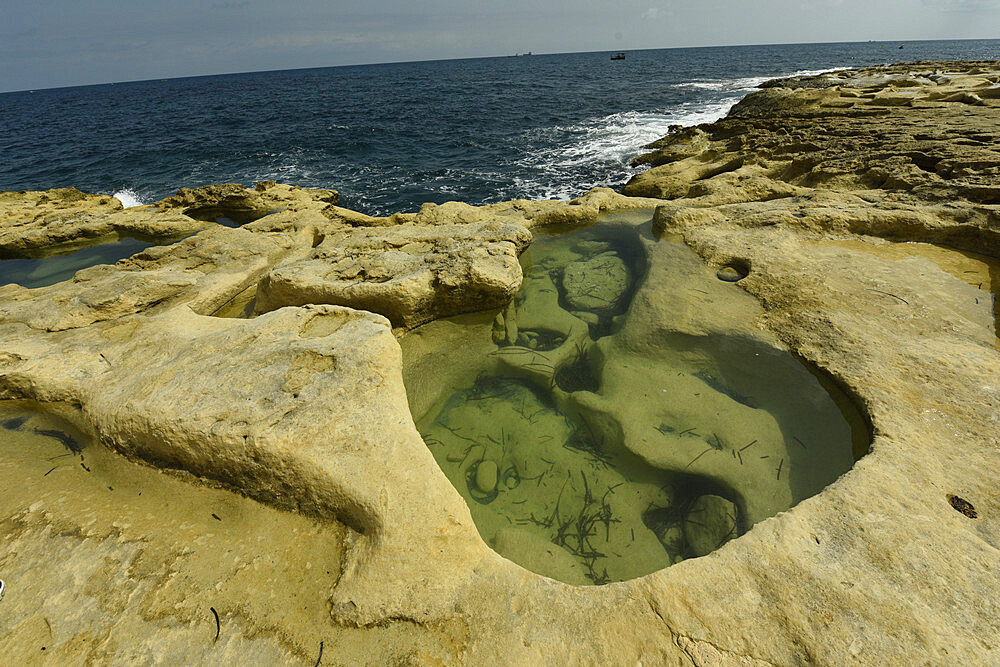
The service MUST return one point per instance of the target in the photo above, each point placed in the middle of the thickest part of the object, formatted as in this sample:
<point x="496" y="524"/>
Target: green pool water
<point x="623" y="413"/>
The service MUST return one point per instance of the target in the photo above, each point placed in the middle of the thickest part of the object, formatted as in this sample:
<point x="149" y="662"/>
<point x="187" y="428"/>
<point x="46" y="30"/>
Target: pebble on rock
<point x="729" y="274"/>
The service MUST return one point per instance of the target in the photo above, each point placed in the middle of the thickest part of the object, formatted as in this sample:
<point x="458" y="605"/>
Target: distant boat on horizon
<point x="618" y="56"/>
<point x="518" y="55"/>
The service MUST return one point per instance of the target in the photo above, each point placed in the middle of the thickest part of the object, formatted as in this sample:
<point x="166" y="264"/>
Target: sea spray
<point x="128" y="198"/>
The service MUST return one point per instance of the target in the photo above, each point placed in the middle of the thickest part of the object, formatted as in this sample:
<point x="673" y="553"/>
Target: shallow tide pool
<point x="623" y="413"/>
<point x="45" y="271"/>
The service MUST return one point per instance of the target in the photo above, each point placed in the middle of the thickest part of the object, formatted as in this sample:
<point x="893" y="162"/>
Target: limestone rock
<point x="209" y="202"/>
<point x="519" y="545"/>
<point x="907" y="124"/>
<point x="38" y="224"/>
<point x="499" y="331"/>
<point x="684" y="143"/>
<point x="486" y="476"/>
<point x="204" y="270"/>
<point x="303" y="409"/>
<point x="410" y="274"/>
<point x="672" y="218"/>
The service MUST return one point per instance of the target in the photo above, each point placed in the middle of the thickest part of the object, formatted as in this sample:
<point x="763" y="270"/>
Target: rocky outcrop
<point x="38" y="224"/>
<point x="203" y="271"/>
<point x="410" y="267"/>
<point x="902" y="147"/>
<point x="443" y="260"/>
<point x="307" y="518"/>
<point x="236" y="204"/>
<point x="410" y="274"/>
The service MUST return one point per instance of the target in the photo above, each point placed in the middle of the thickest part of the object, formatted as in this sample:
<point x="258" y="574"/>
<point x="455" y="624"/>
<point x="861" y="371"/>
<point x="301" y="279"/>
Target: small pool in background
<point x="240" y="306"/>
<point x="45" y="271"/>
<point x="623" y="413"/>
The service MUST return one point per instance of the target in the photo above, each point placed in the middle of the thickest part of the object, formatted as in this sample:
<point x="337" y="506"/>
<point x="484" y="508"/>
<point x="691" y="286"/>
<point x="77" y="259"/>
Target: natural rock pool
<point x="44" y="271"/>
<point x="624" y="412"/>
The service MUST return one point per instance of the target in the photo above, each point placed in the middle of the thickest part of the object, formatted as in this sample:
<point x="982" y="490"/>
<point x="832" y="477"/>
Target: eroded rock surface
<point x="411" y="274"/>
<point x="902" y="152"/>
<point x="580" y="294"/>
<point x="810" y="188"/>
<point x="36" y="224"/>
<point x="443" y="260"/>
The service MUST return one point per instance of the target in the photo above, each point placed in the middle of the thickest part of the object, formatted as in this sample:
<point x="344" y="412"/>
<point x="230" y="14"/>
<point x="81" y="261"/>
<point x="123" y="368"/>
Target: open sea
<point x="390" y="137"/>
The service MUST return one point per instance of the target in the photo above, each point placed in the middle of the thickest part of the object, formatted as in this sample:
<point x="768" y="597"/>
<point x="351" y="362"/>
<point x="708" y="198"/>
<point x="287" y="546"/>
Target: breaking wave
<point x="128" y="198"/>
<point x="750" y="82"/>
<point x="602" y="148"/>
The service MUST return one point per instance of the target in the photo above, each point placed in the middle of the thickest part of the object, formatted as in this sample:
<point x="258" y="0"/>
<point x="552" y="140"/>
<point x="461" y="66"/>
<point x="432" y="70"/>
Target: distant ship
<point x="618" y="56"/>
<point x="517" y="55"/>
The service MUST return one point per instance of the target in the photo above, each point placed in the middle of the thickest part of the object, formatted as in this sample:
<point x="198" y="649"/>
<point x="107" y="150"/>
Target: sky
<point x="51" y="43"/>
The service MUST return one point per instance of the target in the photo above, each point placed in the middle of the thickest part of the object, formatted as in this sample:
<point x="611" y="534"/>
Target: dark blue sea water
<point x="391" y="137"/>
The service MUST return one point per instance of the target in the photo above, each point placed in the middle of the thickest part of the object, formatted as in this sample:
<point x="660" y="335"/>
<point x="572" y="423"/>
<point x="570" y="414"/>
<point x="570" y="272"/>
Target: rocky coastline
<point x="248" y="379"/>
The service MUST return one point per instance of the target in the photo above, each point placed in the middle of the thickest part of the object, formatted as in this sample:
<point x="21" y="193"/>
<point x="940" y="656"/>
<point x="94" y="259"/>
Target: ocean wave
<point x="128" y="198"/>
<point x="749" y="82"/>
<point x="600" y="150"/>
<point x="617" y="137"/>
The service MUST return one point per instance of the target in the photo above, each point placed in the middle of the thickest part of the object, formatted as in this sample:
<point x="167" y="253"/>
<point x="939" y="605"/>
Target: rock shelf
<point x="287" y="498"/>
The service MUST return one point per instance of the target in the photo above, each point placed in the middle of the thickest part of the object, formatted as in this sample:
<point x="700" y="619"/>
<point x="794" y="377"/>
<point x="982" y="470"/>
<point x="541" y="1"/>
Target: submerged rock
<point x="486" y="476"/>
<point x="710" y="523"/>
<point x="539" y="555"/>
<point x="597" y="284"/>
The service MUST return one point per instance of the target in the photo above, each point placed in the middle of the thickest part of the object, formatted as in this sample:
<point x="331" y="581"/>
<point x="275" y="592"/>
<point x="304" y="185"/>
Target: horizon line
<point x="507" y="55"/>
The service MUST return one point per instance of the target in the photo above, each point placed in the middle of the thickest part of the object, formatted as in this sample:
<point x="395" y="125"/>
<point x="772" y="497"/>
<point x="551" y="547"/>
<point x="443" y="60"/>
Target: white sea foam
<point x="605" y="146"/>
<point x="128" y="198"/>
<point x="750" y="82"/>
<point x="617" y="137"/>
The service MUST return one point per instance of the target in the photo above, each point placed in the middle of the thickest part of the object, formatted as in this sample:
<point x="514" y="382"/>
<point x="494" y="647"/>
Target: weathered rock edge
<point x="878" y="568"/>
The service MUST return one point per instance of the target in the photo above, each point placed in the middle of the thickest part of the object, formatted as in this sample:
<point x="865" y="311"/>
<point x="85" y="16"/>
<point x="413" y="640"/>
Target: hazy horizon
<point x="59" y="43"/>
<point x="893" y="42"/>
